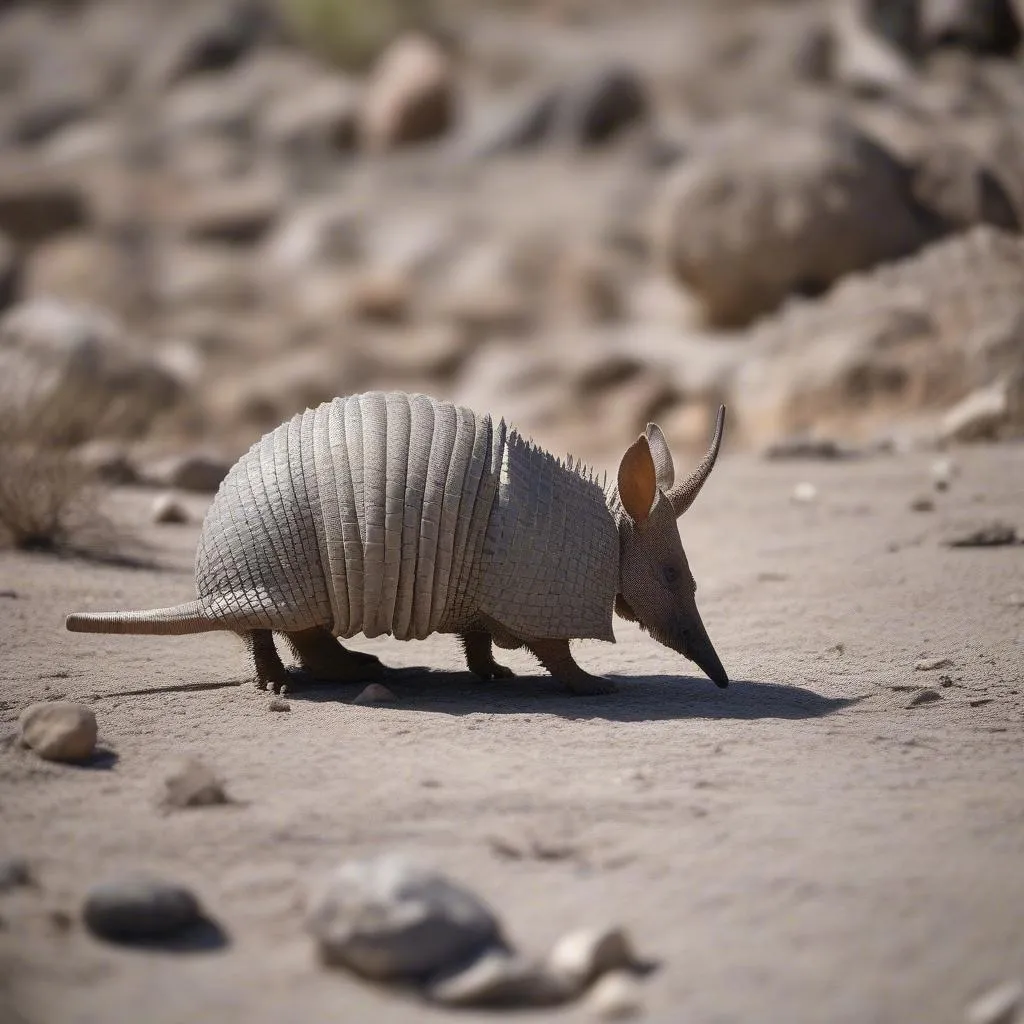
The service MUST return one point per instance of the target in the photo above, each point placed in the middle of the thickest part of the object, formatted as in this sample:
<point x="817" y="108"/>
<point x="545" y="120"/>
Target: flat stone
<point x="391" y="919"/>
<point x="615" y="996"/>
<point x="196" y="471"/>
<point x="59" y="730"/>
<point x="139" y="907"/>
<point x="931" y="664"/>
<point x="15" y="872"/>
<point x="997" y="1006"/>
<point x="501" y="979"/>
<point x="193" y="785"/>
<point x="924" y="697"/>
<point x="375" y="693"/>
<point x="585" y="954"/>
<point x="990" y="535"/>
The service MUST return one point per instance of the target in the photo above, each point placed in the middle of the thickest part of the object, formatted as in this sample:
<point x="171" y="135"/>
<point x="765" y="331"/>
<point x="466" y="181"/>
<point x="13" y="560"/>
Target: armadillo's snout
<point x="699" y="649"/>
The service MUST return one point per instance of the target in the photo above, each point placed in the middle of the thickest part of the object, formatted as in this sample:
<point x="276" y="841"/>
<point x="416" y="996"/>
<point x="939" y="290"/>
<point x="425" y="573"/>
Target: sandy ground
<point x="800" y="847"/>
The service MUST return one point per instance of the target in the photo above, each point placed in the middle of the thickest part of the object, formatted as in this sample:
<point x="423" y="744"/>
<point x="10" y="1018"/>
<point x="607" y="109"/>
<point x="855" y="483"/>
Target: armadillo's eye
<point x="670" y="574"/>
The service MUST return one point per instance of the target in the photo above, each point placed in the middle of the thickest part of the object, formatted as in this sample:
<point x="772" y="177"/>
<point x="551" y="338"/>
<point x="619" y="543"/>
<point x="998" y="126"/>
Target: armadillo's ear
<point x="638" y="484"/>
<point x="663" y="468"/>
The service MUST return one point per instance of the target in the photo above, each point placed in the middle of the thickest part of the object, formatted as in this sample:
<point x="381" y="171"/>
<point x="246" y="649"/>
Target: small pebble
<point x="943" y="471"/>
<point x="59" y="730"/>
<point x="997" y="1006"/>
<point x="991" y="535"/>
<point x="168" y="508"/>
<point x="922" y="504"/>
<point x="805" y="493"/>
<point x="585" y="954"/>
<point x="931" y="664"/>
<point x="615" y="996"/>
<point x="14" y="873"/>
<point x="139" y="907"/>
<point x="924" y="697"/>
<point x="375" y="693"/>
<point x="279" y="705"/>
<point x="193" y="785"/>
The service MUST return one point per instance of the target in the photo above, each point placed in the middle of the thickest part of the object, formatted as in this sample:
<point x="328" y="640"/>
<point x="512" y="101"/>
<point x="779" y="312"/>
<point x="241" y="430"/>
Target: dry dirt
<point x="802" y="847"/>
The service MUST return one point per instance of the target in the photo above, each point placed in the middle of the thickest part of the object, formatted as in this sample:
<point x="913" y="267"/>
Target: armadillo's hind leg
<point x="556" y="657"/>
<point x="270" y="672"/>
<point x="327" y="661"/>
<point x="480" y="656"/>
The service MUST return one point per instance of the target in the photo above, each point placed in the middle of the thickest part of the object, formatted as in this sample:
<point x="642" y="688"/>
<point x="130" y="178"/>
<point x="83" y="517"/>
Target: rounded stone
<point x="139" y="907"/>
<point x="389" y="918"/>
<point x="59" y="730"/>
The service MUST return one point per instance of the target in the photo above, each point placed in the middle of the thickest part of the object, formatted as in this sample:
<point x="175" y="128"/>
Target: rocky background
<point x="580" y="215"/>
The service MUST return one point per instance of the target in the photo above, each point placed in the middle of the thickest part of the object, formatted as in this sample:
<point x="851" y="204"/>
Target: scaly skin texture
<point x="398" y="514"/>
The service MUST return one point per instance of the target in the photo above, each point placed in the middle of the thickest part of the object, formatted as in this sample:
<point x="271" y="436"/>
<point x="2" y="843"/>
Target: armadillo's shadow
<point x="640" y="698"/>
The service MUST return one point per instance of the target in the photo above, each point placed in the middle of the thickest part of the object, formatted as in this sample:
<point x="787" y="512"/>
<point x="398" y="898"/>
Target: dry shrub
<point x="351" y="33"/>
<point x="50" y="501"/>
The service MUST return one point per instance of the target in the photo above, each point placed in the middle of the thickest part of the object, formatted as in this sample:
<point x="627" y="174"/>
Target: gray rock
<point x="139" y="907"/>
<point x="279" y="705"/>
<point x="375" y="693"/>
<point x="59" y="730"/>
<point x="768" y="210"/>
<point x="15" y="873"/>
<point x="924" y="697"/>
<point x="196" y="471"/>
<point x="990" y="535"/>
<point x="985" y="414"/>
<point x="193" y="784"/>
<point x="389" y="918"/>
<point x="931" y="664"/>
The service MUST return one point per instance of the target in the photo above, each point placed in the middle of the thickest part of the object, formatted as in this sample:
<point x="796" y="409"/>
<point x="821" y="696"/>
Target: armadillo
<point x="387" y="513"/>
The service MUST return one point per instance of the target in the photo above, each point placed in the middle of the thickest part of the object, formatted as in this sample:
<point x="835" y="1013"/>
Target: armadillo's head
<point x="656" y="587"/>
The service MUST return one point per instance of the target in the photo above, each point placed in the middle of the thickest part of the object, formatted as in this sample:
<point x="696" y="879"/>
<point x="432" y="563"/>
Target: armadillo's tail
<point x="182" y="618"/>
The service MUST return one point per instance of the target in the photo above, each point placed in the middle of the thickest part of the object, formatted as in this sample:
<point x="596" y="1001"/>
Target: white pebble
<point x="997" y="1006"/>
<point x="943" y="471"/>
<point x="804" y="493"/>
<point x="168" y="508"/>
<point x="375" y="693"/>
<point x="615" y="996"/>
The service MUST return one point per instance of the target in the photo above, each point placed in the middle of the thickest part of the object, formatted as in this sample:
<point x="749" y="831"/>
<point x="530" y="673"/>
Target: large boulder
<point x="67" y="374"/>
<point x="906" y="342"/>
<point x="410" y="96"/>
<point x="768" y="210"/>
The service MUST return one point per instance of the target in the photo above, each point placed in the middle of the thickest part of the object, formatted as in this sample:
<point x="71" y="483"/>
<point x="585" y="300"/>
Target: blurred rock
<point x="168" y="508"/>
<point x="209" y="38"/>
<point x="771" y="210"/>
<point x="133" y="908"/>
<point x="906" y="339"/>
<point x="318" y="122"/>
<point x="981" y="26"/>
<point x="205" y="274"/>
<point x="615" y="996"/>
<point x="59" y="730"/>
<point x="500" y="979"/>
<point x="82" y="267"/>
<point x="410" y="95"/>
<point x="70" y="373"/>
<point x="34" y="205"/>
<point x="107" y="461"/>
<point x="235" y="212"/>
<point x="874" y="43"/>
<point x="998" y="1005"/>
<point x="10" y="273"/>
<point x="601" y="104"/>
<point x="375" y="693"/>
<point x="193" y="784"/>
<point x="390" y="919"/>
<point x="986" y="414"/>
<point x="588" y="286"/>
<point x="950" y="181"/>
<point x="381" y="296"/>
<point x="197" y="471"/>
<point x="583" y="955"/>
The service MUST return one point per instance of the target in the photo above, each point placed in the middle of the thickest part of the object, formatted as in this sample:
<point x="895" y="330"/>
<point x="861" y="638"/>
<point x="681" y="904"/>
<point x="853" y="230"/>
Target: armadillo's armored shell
<point x="389" y="513"/>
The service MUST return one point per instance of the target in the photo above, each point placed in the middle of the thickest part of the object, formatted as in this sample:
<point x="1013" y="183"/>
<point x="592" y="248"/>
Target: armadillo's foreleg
<point x="556" y="657"/>
<point x="480" y="657"/>
<point x="269" y="669"/>
<point x="327" y="661"/>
